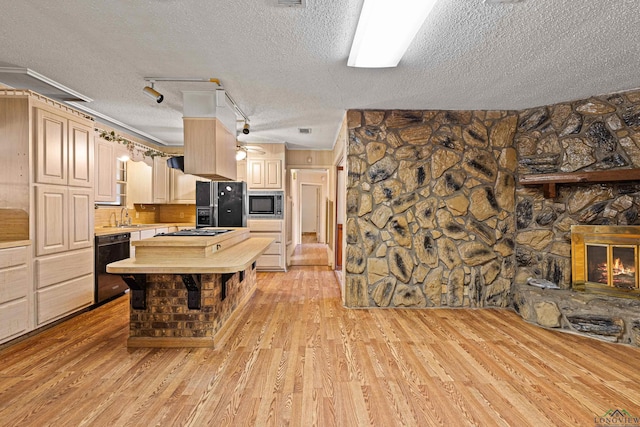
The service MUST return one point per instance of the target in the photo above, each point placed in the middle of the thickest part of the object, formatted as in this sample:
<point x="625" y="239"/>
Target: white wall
<point x="310" y="201"/>
<point x="315" y="177"/>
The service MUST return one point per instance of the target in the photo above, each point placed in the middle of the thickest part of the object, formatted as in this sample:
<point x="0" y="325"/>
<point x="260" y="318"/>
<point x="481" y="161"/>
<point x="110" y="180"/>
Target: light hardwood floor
<point x="310" y="254"/>
<point x="295" y="356"/>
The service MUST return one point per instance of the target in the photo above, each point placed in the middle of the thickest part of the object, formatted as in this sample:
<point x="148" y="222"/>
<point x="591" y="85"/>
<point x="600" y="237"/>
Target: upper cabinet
<point x="105" y="171"/>
<point x="139" y="183"/>
<point x="264" y="171"/>
<point x="148" y="184"/>
<point x="160" y="180"/>
<point x="183" y="187"/>
<point x="64" y="150"/>
<point x="242" y="170"/>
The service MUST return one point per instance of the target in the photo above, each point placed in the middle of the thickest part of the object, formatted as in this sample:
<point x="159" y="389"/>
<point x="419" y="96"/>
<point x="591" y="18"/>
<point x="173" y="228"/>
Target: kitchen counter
<point x="193" y="254"/>
<point x="14" y="244"/>
<point x="106" y="230"/>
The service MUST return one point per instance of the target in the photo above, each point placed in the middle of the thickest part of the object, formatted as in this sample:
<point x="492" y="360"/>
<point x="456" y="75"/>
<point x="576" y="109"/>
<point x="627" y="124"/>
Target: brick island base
<point x="167" y="320"/>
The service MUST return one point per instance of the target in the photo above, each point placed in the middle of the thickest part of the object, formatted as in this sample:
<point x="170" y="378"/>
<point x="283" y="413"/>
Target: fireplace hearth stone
<point x="598" y="316"/>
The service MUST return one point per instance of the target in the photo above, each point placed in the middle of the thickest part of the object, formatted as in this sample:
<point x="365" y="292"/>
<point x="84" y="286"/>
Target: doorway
<point x="310" y="215"/>
<point x="309" y="191"/>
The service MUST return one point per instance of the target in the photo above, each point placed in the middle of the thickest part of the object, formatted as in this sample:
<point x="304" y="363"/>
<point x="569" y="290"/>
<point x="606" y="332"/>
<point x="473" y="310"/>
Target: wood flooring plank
<point x="294" y="356"/>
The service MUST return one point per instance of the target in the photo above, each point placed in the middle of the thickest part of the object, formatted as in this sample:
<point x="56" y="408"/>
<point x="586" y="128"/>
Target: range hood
<point x="209" y="135"/>
<point x="176" y="162"/>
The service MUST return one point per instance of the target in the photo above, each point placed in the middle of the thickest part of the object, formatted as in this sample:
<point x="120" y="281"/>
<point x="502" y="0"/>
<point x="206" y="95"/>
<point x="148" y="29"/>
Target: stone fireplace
<point x="462" y="208"/>
<point x="604" y="260"/>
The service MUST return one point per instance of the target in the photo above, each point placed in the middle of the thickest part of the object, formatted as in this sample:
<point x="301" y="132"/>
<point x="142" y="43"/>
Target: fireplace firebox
<point x="605" y="259"/>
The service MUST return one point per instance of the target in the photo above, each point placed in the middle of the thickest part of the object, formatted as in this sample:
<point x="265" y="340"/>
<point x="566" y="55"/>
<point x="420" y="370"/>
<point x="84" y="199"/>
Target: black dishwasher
<point x="110" y="248"/>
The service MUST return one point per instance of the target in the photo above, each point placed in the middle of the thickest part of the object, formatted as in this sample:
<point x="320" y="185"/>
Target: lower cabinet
<point x="274" y="258"/>
<point x="145" y="234"/>
<point x="64" y="284"/>
<point x="14" y="292"/>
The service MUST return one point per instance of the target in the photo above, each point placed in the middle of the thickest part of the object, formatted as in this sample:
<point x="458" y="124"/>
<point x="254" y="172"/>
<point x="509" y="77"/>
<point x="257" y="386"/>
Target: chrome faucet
<point x="126" y="214"/>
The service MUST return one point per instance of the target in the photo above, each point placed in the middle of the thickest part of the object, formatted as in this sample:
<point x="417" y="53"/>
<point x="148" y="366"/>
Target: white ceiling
<point x="286" y="67"/>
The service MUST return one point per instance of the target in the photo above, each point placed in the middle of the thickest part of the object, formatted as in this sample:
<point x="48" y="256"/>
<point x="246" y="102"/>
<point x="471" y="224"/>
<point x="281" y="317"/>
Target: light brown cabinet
<point x="242" y="170"/>
<point x="265" y="170"/>
<point x="64" y="220"/>
<point x="147" y="184"/>
<point x="64" y="284"/>
<point x="160" y="180"/>
<point x="183" y="187"/>
<point x="64" y="150"/>
<point x="105" y="171"/>
<point x="265" y="173"/>
<point x="54" y="146"/>
<point x="274" y="258"/>
<point x="14" y="292"/>
<point x="80" y="146"/>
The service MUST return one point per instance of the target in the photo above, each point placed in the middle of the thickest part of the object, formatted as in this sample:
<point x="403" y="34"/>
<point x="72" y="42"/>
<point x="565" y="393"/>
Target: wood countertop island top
<point x="224" y="253"/>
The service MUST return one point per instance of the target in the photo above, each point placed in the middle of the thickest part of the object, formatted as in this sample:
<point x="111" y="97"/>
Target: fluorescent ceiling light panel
<point x="385" y="31"/>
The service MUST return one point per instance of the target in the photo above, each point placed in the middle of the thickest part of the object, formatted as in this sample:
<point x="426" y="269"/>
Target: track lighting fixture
<point x="153" y="94"/>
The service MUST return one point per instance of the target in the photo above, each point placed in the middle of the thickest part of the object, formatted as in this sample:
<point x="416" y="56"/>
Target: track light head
<point x="152" y="93"/>
<point x="245" y="128"/>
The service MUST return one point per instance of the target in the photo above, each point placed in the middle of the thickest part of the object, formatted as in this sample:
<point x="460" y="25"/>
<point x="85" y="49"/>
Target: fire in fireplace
<point x="605" y="259"/>
<point x="612" y="265"/>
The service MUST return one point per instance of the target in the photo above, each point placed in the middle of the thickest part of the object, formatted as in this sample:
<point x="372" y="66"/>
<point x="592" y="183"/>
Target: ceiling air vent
<point x="304" y="131"/>
<point x="292" y="3"/>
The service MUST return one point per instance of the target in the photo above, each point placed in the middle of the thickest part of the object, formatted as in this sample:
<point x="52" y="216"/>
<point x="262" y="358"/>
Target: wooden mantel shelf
<point x="549" y="180"/>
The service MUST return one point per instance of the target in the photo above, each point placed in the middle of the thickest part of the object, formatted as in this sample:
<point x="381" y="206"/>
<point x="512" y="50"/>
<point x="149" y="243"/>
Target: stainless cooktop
<point x="195" y="232"/>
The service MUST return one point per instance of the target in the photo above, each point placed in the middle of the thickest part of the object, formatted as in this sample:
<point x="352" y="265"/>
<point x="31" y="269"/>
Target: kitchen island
<point x="184" y="289"/>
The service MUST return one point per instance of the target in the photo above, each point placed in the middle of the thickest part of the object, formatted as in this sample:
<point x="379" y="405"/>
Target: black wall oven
<point x="108" y="249"/>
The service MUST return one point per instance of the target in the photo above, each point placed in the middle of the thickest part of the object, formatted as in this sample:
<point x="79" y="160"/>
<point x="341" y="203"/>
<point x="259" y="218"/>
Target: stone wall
<point x="434" y="214"/>
<point x="430" y="208"/>
<point x="596" y="134"/>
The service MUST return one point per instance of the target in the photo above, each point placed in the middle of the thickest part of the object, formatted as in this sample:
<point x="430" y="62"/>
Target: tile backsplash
<point x="146" y="214"/>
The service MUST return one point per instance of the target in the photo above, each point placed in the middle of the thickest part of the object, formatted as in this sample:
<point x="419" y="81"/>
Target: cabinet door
<point x="51" y="148"/>
<point x="160" y="180"/>
<point x="80" y="218"/>
<point x="183" y="187"/>
<point x="242" y="170"/>
<point x="139" y="183"/>
<point x="273" y="174"/>
<point x="256" y="174"/>
<point x="51" y="219"/>
<point x="80" y="155"/>
<point x="105" y="171"/>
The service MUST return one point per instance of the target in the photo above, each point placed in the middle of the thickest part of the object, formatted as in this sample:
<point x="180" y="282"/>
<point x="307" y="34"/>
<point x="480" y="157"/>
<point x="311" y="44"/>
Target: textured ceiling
<point x="286" y="67"/>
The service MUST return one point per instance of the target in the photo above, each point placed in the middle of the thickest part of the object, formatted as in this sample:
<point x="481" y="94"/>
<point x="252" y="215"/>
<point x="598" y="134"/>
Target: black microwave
<point x="265" y="204"/>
